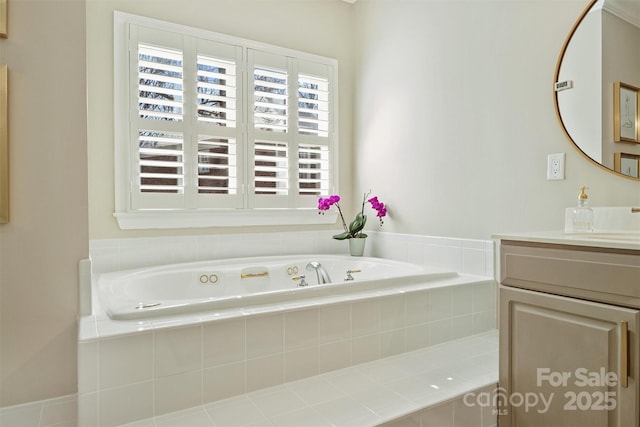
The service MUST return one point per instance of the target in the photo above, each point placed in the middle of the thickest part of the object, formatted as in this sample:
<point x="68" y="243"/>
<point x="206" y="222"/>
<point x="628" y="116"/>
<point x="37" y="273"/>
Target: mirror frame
<point x="556" y="74"/>
<point x="4" y="142"/>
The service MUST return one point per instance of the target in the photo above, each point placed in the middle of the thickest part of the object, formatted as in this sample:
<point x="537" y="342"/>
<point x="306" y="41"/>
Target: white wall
<point x="48" y="230"/>
<point x="455" y="118"/>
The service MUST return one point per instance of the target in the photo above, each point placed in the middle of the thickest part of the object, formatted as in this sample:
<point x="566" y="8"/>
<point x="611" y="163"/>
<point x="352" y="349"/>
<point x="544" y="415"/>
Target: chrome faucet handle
<point x="302" y="281"/>
<point x="349" y="276"/>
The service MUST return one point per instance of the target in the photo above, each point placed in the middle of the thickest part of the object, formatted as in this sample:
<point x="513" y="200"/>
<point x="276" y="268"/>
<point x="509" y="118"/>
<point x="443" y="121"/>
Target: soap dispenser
<point x="583" y="214"/>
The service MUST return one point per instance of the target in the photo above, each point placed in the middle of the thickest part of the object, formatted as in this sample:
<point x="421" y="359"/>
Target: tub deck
<point x="395" y="391"/>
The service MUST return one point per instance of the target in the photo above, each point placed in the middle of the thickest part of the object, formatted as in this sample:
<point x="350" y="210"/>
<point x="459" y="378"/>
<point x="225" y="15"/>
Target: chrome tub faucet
<point x="321" y="273"/>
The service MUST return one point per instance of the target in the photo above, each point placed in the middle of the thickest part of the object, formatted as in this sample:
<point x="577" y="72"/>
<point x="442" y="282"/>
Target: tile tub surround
<point x="131" y="370"/>
<point x="468" y="256"/>
<point x="435" y="386"/>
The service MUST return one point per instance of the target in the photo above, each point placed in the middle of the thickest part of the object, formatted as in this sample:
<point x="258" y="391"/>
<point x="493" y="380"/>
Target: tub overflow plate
<point x="142" y="305"/>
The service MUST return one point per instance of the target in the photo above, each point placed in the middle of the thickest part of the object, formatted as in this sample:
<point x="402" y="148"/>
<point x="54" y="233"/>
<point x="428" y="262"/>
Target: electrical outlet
<point x="555" y="167"/>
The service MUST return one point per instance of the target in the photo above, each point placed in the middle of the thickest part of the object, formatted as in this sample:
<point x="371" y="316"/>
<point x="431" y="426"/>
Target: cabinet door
<point x="566" y="362"/>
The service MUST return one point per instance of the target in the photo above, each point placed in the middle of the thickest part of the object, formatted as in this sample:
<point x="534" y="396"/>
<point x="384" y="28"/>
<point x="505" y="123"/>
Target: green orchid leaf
<point x="357" y="224"/>
<point x="342" y="236"/>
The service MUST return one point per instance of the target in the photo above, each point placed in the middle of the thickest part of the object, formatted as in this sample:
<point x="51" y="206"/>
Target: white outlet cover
<point x="555" y="166"/>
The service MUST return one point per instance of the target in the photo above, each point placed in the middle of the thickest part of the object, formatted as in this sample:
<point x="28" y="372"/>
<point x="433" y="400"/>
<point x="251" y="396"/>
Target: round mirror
<point x="597" y="85"/>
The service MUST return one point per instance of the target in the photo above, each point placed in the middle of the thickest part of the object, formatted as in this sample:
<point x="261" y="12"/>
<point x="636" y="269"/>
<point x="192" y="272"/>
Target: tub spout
<point x="321" y="273"/>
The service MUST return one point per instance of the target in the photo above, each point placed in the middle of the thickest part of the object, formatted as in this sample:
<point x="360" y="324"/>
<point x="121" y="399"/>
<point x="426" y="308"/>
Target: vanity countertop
<point x="629" y="240"/>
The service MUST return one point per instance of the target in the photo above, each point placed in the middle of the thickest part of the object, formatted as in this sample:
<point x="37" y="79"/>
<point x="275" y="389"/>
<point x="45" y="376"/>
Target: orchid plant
<point x="354" y="230"/>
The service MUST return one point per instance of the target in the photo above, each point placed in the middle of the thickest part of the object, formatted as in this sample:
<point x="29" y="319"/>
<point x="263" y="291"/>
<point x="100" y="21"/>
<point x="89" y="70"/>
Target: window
<point x="210" y="126"/>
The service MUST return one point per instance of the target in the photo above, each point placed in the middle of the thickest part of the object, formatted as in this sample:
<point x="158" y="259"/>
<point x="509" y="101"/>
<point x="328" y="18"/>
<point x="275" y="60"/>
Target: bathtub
<point x="242" y="283"/>
<point x="206" y="331"/>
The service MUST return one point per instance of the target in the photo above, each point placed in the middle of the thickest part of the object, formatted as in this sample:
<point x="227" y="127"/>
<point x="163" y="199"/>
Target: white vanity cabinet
<point x="569" y="347"/>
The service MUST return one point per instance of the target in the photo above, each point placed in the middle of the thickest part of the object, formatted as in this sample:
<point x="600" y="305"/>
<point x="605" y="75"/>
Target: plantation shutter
<point x="158" y="175"/>
<point x="185" y="122"/>
<point x="206" y="122"/>
<point x="314" y="132"/>
<point x="290" y="130"/>
<point x="219" y="136"/>
<point x="269" y="133"/>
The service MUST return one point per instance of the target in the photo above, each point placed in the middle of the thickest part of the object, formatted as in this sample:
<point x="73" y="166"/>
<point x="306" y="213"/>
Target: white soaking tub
<point x="241" y="283"/>
<point x="168" y="338"/>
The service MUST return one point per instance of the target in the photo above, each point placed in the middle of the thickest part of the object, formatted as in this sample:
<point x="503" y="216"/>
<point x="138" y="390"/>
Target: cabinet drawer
<point x="611" y="276"/>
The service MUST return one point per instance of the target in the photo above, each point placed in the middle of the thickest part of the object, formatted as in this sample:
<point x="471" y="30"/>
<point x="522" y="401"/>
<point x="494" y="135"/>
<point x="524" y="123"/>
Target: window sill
<point x="160" y="219"/>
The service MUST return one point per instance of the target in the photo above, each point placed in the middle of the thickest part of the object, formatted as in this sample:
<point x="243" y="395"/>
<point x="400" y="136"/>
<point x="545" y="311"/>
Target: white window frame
<point x="249" y="214"/>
